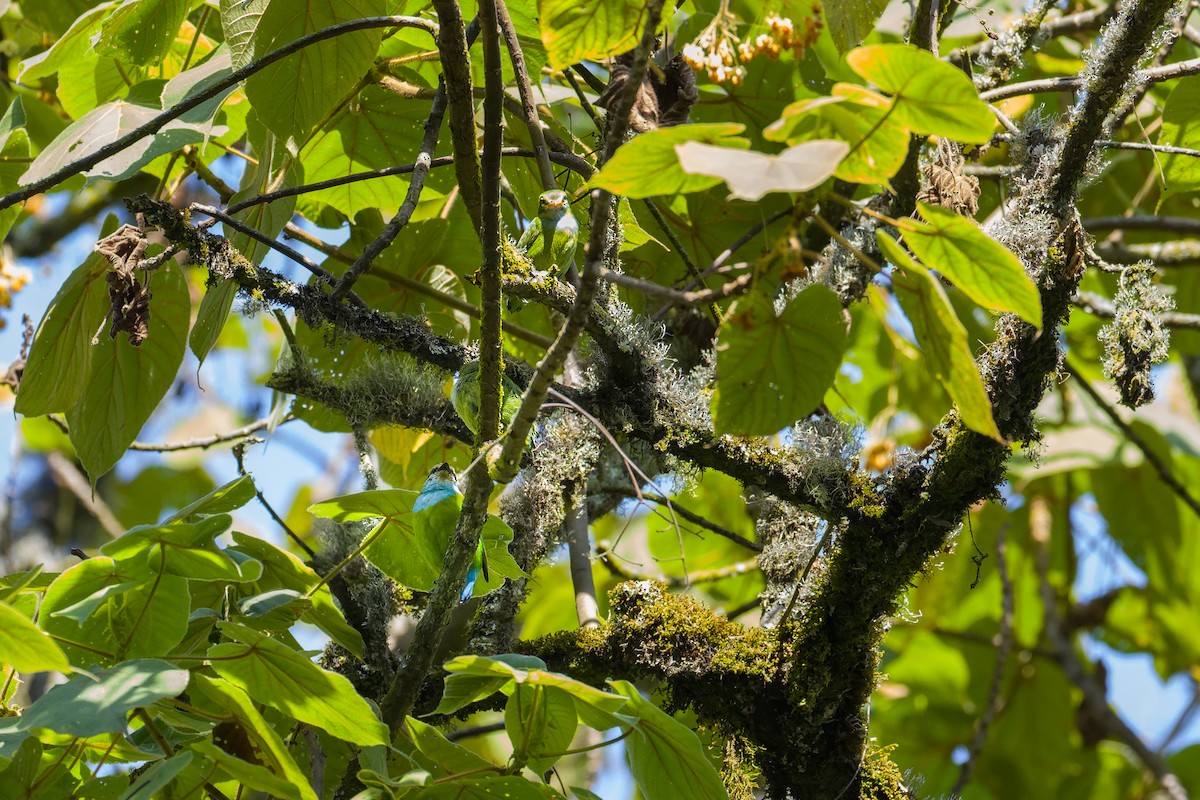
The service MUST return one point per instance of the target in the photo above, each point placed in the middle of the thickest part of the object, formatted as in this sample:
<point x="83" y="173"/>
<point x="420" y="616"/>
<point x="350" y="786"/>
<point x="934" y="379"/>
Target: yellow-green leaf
<point x="942" y="337"/>
<point x="26" y="648"/>
<point x="985" y="270"/>
<point x="930" y="96"/>
<point x="578" y="30"/>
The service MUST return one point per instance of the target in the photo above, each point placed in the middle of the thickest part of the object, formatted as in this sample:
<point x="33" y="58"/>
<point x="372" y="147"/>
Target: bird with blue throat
<point x="435" y="514"/>
<point x="549" y="241"/>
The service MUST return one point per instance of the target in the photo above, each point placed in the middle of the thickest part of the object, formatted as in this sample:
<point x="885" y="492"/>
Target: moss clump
<point x="880" y="778"/>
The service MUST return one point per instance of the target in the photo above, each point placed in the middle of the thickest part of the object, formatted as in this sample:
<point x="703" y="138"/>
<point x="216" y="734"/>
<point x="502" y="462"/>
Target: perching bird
<point x="549" y="241"/>
<point x="435" y="514"/>
<point x="465" y="397"/>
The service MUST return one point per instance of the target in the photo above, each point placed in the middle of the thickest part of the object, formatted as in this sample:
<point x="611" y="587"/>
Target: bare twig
<point x="525" y="88"/>
<point x="204" y="442"/>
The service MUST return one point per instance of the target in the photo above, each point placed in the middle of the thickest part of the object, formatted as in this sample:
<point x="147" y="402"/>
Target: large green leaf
<point x="183" y="549"/>
<point x="292" y="95"/>
<point x="666" y="758"/>
<point x="267" y="744"/>
<point x="985" y="270"/>
<point x="210" y="318"/>
<point x="222" y="500"/>
<point x="942" y="337"/>
<point x="105" y="124"/>
<point x="281" y="569"/>
<point x="579" y="30"/>
<point x="930" y="96"/>
<point x="26" y="648"/>
<point x="149" y="619"/>
<point x="250" y="776"/>
<point x="773" y="368"/>
<point x="850" y="21"/>
<point x="541" y="723"/>
<point x="648" y="165"/>
<point x="125" y="383"/>
<point x="141" y="31"/>
<point x="89" y="706"/>
<point x="60" y="360"/>
<point x="1181" y="128"/>
<point x="286" y="680"/>
<point x="239" y="21"/>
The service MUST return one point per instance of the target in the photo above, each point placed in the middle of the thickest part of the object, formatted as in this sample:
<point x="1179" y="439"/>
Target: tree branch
<point x="525" y="88"/>
<point x="456" y="68"/>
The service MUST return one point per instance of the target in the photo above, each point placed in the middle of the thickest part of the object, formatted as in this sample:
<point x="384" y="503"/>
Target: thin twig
<point x="433" y="127"/>
<point x="204" y="442"/>
<point x="693" y="517"/>
<point x="525" y="89"/>
<point x="679" y="299"/>
<point x="1156" y="75"/>
<point x="1142" y="222"/>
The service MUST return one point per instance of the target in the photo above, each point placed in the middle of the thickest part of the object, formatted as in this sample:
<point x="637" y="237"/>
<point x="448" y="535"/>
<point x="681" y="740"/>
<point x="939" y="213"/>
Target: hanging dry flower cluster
<point x="719" y="52"/>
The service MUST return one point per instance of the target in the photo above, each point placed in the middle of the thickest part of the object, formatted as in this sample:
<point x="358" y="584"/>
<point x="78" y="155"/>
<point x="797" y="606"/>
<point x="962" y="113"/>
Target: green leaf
<point x="930" y="96"/>
<point x="268" y="746"/>
<point x="849" y="21"/>
<point x="210" y="318"/>
<point x="648" y="165"/>
<point x="239" y="21"/>
<point x="250" y="776"/>
<point x="141" y="31"/>
<point x="158" y="777"/>
<point x="878" y="144"/>
<point x="773" y="369"/>
<point x="286" y="680"/>
<point x="183" y="549"/>
<point x="942" y="337"/>
<point x="105" y="124"/>
<point x="283" y="570"/>
<point x="150" y="619"/>
<point x="125" y="383"/>
<point x="221" y="500"/>
<point x="579" y="30"/>
<point x="24" y="647"/>
<point x="444" y="757"/>
<point x="476" y="677"/>
<point x="89" y="706"/>
<point x="666" y="758"/>
<point x="292" y="95"/>
<point x="502" y="787"/>
<point x="276" y="610"/>
<point x="750" y="174"/>
<point x="541" y="723"/>
<point x="977" y="264"/>
<point x="1181" y="128"/>
<point x="60" y="359"/>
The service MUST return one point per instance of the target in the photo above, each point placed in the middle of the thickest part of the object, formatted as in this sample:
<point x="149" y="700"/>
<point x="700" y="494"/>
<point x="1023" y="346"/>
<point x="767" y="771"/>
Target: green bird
<point x="435" y="514"/>
<point x="465" y="397"/>
<point x="549" y="241"/>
